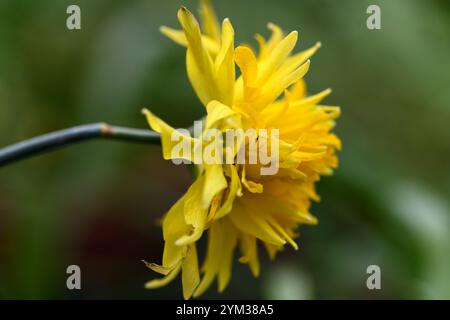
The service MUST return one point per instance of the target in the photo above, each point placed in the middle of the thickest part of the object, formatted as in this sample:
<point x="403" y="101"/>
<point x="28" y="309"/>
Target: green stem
<point x="69" y="136"/>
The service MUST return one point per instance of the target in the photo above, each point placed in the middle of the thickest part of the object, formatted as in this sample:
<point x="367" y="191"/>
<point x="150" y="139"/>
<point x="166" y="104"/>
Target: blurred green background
<point x="97" y="204"/>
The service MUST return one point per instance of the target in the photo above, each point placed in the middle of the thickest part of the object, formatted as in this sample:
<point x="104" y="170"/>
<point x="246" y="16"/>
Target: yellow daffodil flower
<point x="233" y="203"/>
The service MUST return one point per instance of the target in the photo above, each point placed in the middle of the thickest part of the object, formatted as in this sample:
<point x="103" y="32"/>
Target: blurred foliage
<point x="97" y="204"/>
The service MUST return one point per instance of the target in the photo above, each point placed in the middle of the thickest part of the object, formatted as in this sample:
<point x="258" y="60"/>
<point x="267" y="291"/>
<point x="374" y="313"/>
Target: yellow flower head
<point x="234" y="203"/>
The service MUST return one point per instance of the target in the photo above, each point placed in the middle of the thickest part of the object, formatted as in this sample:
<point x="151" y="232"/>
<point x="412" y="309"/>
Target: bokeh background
<point x="97" y="204"/>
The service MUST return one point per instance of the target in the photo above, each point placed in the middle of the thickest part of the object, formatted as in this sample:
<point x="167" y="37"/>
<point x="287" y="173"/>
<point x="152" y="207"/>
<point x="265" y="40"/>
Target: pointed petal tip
<point x="196" y="294"/>
<point x="187" y="296"/>
<point x="226" y="23"/>
<point x="325" y="92"/>
<point x="271" y="25"/>
<point x="184" y="12"/>
<point x="307" y="64"/>
<point x="293" y="35"/>
<point x="150" y="285"/>
<point x="145" y="263"/>
<point x="312" y="220"/>
<point x="165" y="30"/>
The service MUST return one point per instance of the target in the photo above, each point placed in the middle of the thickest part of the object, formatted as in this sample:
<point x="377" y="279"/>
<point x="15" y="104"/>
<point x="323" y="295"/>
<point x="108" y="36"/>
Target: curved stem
<point x="69" y="136"/>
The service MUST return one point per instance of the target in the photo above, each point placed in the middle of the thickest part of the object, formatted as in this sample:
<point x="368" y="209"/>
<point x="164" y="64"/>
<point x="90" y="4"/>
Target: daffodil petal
<point x="249" y="250"/>
<point x="199" y="64"/>
<point x="253" y="223"/>
<point x="277" y="56"/>
<point x="194" y="213"/>
<point x="224" y="65"/>
<point x="217" y="112"/>
<point x="251" y="186"/>
<point x="179" y="37"/>
<point x="215" y="182"/>
<point x="209" y="20"/>
<point x="234" y="190"/>
<point x="190" y="275"/>
<point x="158" y="283"/>
<point x="170" y="137"/>
<point x="222" y="239"/>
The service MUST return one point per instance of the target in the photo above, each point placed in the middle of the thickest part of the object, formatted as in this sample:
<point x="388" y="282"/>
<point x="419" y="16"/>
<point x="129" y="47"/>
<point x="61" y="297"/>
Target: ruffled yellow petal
<point x="194" y="213"/>
<point x="277" y="56"/>
<point x="170" y="138"/>
<point x="215" y="182"/>
<point x="175" y="257"/>
<point x="278" y="83"/>
<point x="271" y="250"/>
<point x="200" y="67"/>
<point x="212" y="80"/>
<point x="246" y="60"/>
<point x="251" y="186"/>
<point x="276" y="37"/>
<point x="246" y="87"/>
<point x="190" y="275"/>
<point x="298" y="59"/>
<point x="209" y="20"/>
<point x="224" y="65"/>
<point x="280" y="230"/>
<point x="312" y="100"/>
<point x="222" y="239"/>
<point x="298" y="91"/>
<point x="158" y="268"/>
<point x="217" y="112"/>
<point x="247" y="220"/>
<point x="249" y="251"/>
<point x="179" y="37"/>
<point x="234" y="190"/>
<point x="158" y="283"/>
